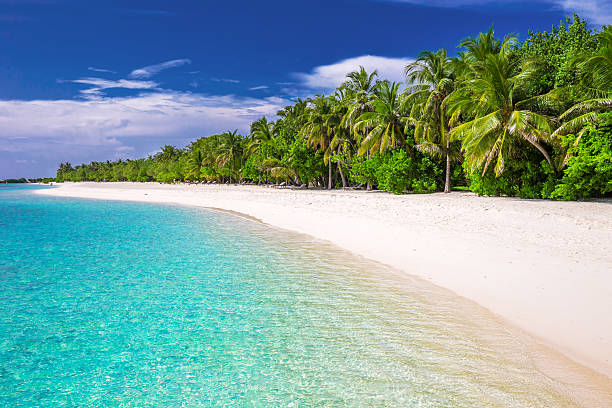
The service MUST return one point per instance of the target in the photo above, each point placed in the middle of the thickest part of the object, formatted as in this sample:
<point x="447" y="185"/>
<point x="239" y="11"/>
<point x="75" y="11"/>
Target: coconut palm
<point x="597" y="67"/>
<point x="230" y="152"/>
<point x="195" y="164"/>
<point x="316" y="128"/>
<point x="490" y="93"/>
<point x="480" y="47"/>
<point x="168" y="153"/>
<point x="434" y="80"/>
<point x="360" y="88"/>
<point x="261" y="132"/>
<point x="384" y="126"/>
<point x="341" y="143"/>
<point x="592" y="96"/>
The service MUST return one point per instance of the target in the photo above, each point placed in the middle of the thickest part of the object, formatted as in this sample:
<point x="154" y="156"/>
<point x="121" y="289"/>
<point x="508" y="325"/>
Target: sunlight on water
<point x="125" y="304"/>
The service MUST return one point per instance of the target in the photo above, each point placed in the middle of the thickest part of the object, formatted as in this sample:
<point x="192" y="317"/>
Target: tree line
<point x="530" y="119"/>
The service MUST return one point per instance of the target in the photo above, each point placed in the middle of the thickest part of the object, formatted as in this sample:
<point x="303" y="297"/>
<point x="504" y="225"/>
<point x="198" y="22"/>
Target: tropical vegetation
<point x="530" y="119"/>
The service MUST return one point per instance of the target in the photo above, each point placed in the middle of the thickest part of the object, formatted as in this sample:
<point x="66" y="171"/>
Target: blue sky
<point x="84" y="80"/>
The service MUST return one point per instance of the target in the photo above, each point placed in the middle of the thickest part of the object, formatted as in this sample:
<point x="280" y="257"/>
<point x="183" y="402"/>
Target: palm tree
<point x="261" y="132"/>
<point x="341" y="144"/>
<point x="316" y="128"/>
<point x="434" y="80"/>
<point x="385" y="124"/>
<point x="195" y="164"/>
<point x="485" y="44"/>
<point x="168" y="153"/>
<point x="230" y="152"/>
<point x="597" y="67"/>
<point x="594" y="93"/>
<point x="491" y="94"/>
<point x="360" y="86"/>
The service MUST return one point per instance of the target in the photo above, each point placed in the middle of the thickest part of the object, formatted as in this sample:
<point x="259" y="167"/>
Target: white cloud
<point x="65" y="129"/>
<point x="150" y="70"/>
<point x="330" y="76"/>
<point x="231" y="81"/>
<point x="101" y="70"/>
<point x="594" y="11"/>
<point x="598" y="12"/>
<point x="257" y="88"/>
<point x="99" y="84"/>
<point x="121" y="83"/>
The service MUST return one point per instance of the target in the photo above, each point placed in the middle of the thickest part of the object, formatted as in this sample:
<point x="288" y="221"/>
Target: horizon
<point x="97" y="83"/>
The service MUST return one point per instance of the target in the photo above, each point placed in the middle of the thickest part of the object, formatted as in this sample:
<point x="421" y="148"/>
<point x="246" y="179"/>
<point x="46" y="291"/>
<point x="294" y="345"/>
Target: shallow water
<point x="129" y="304"/>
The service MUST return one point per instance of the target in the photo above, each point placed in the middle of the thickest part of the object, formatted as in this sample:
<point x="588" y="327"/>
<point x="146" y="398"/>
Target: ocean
<point x="139" y="305"/>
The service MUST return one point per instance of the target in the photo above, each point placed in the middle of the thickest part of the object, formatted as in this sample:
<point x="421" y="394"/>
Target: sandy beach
<point x="543" y="266"/>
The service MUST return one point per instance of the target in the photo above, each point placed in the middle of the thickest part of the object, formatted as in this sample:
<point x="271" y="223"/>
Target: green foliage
<point x="500" y="108"/>
<point x="364" y="170"/>
<point x="306" y="162"/>
<point x="429" y="176"/>
<point x="527" y="178"/>
<point x="589" y="170"/>
<point x="395" y="172"/>
<point x="556" y="52"/>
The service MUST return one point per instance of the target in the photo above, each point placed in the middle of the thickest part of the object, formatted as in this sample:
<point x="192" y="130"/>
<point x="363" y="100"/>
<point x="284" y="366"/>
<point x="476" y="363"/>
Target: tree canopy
<point x="528" y="119"/>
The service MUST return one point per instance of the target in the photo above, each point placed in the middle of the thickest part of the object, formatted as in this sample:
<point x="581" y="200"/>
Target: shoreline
<point x="540" y="265"/>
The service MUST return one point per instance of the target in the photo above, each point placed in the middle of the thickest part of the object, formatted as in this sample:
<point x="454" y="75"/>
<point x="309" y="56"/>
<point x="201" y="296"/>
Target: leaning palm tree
<point x="490" y="95"/>
<point x="433" y="80"/>
<point x="385" y="122"/>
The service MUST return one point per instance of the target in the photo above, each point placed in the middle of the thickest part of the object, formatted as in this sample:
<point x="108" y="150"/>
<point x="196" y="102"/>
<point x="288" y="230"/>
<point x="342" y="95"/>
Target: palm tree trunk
<point x="369" y="185"/>
<point x="544" y="153"/>
<point x="342" y="176"/>
<point x="329" y="177"/>
<point x="448" y="168"/>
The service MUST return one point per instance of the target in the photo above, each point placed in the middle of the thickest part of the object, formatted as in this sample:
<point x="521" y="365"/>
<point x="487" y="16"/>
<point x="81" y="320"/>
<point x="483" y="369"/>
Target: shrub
<point x="589" y="170"/>
<point x="526" y="178"/>
<point x="394" y="173"/>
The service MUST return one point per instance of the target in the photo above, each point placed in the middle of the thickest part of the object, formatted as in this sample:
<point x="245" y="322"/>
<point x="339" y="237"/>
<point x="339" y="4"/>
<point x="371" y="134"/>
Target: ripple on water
<point x="124" y="304"/>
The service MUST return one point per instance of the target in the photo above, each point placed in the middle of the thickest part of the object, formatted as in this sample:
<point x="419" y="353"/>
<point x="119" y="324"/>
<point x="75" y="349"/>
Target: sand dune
<point x="544" y="266"/>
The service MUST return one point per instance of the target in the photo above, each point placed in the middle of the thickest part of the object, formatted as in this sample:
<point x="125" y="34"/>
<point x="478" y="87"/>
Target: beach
<point x="542" y="266"/>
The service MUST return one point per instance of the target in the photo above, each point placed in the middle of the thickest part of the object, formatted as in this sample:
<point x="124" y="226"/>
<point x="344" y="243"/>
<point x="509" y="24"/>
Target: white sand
<point x="544" y="266"/>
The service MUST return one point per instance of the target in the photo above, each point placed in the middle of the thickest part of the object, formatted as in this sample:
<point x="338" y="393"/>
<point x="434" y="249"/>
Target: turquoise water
<point x="134" y="305"/>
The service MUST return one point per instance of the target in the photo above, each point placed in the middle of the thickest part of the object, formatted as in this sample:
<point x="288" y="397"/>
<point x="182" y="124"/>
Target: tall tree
<point x="230" y="153"/>
<point x="490" y="94"/>
<point x="316" y="128"/>
<point x="594" y="90"/>
<point x="341" y="143"/>
<point x="360" y="86"/>
<point x="386" y="122"/>
<point x="261" y="132"/>
<point x="434" y="80"/>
